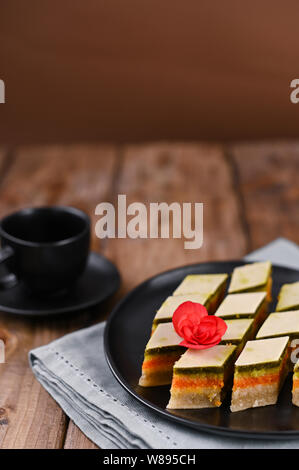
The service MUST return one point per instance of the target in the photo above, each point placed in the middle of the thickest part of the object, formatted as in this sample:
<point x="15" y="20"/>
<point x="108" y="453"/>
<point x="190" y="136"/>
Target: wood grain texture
<point x="71" y="175"/>
<point x="178" y="173"/>
<point x="267" y="177"/>
<point x="75" y="439"/>
<point x="5" y="157"/>
<point x="80" y="176"/>
<point x="250" y="195"/>
<point x="181" y="173"/>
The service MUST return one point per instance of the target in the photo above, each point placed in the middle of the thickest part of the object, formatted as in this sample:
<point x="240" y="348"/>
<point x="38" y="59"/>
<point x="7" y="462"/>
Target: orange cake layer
<point x="162" y="361"/>
<point x="295" y="391"/>
<point x="265" y="379"/>
<point x="198" y="382"/>
<point x="296" y="377"/>
<point x="161" y="352"/>
<point x="244" y="382"/>
<point x="157" y="369"/>
<point x="296" y="383"/>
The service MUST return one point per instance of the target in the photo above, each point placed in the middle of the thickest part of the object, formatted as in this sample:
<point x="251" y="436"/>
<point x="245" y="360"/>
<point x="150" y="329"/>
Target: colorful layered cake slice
<point x="238" y="333"/>
<point x="248" y="305"/>
<point x="260" y="372"/>
<point x="281" y="324"/>
<point x="212" y="285"/>
<point x="288" y="297"/>
<point x="167" y="309"/>
<point x="201" y="378"/>
<point x="296" y="385"/>
<point x="253" y="277"/>
<point x="161" y="352"/>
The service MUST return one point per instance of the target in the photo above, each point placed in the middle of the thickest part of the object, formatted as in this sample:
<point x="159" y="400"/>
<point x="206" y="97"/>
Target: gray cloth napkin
<point x="74" y="371"/>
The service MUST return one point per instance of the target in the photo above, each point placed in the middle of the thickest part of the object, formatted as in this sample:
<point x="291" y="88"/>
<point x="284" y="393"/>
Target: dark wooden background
<point x="131" y="70"/>
<point x="250" y="194"/>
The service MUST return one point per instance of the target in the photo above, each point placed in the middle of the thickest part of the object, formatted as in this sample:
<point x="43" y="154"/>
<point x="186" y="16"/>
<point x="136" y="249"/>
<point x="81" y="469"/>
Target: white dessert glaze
<point x="212" y="357"/>
<point x="168" y="308"/>
<point x="250" y="276"/>
<point x="262" y="351"/>
<point x="200" y="283"/>
<point x="236" y="329"/>
<point x="280" y="324"/>
<point x="288" y="296"/>
<point x="241" y="304"/>
<point x="163" y="336"/>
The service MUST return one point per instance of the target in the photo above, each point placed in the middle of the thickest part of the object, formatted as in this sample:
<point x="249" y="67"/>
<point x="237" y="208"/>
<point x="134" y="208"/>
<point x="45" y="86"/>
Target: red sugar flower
<point x="200" y="330"/>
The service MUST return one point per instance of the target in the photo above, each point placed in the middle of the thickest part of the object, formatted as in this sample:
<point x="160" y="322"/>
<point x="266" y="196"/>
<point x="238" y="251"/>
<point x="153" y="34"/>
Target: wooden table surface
<point x="250" y="194"/>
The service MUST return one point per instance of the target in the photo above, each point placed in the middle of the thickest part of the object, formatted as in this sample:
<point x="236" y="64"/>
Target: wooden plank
<point x="153" y="70"/>
<point x="267" y="179"/>
<point x="70" y="175"/>
<point x="6" y="157"/>
<point x="75" y="439"/>
<point x="181" y="173"/>
<point x="80" y="176"/>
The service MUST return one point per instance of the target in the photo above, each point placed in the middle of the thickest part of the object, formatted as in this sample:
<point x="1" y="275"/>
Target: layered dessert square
<point x="253" y="277"/>
<point x="161" y="352"/>
<point x="260" y="372"/>
<point x="169" y="306"/>
<point x="238" y="333"/>
<point x="288" y="297"/>
<point x="295" y="390"/>
<point x="248" y="305"/>
<point x="201" y="378"/>
<point x="280" y="324"/>
<point x="212" y="285"/>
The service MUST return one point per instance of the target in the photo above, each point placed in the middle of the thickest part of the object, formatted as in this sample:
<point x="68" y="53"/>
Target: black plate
<point x="127" y="333"/>
<point x="99" y="281"/>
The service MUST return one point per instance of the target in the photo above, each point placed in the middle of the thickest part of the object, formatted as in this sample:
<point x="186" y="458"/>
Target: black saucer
<point x="100" y="280"/>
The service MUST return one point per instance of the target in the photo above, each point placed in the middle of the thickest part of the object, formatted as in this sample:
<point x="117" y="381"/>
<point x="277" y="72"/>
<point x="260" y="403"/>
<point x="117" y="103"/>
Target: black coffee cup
<point x="45" y="247"/>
